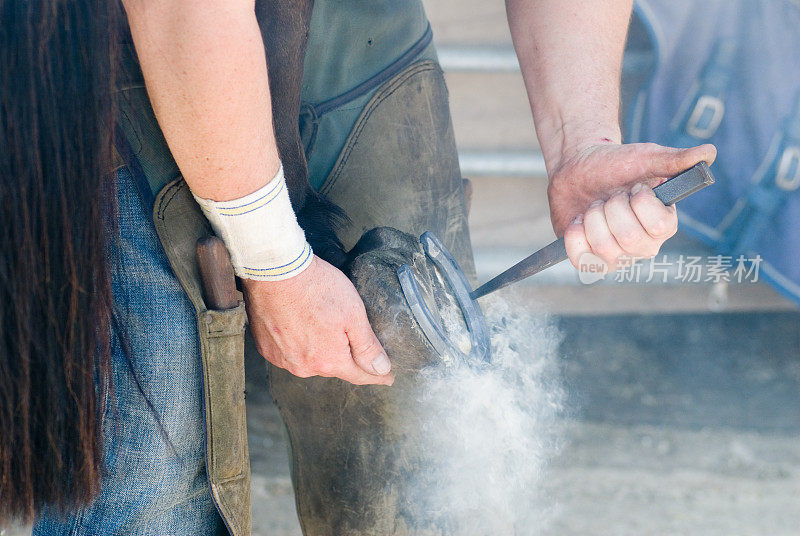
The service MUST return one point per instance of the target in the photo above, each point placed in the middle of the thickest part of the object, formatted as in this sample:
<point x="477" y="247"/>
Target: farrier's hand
<point x="601" y="199"/>
<point x="315" y="324"/>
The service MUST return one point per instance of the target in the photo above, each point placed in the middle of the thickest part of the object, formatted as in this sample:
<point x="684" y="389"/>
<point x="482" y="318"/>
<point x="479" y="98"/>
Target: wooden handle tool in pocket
<point x="216" y="272"/>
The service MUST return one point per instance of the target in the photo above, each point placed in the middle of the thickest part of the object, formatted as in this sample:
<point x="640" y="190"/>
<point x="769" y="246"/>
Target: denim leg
<point x="155" y="479"/>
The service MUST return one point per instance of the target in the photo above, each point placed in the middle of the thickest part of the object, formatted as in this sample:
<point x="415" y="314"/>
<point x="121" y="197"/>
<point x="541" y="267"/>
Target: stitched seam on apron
<point x="424" y="66"/>
<point x="165" y="201"/>
<point x="406" y="59"/>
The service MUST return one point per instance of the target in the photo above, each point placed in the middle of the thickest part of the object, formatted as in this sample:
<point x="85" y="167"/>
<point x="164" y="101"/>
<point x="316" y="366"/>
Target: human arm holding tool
<point x="206" y="75"/>
<point x="600" y="190"/>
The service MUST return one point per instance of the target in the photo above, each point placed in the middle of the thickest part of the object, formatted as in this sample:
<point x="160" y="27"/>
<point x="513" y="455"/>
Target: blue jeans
<point x="155" y="478"/>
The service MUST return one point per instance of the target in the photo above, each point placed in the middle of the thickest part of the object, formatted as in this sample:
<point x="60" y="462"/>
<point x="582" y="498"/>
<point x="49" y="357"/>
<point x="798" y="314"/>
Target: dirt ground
<point x="679" y="424"/>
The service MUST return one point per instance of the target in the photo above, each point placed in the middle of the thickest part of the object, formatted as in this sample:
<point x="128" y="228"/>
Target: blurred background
<point x="684" y="397"/>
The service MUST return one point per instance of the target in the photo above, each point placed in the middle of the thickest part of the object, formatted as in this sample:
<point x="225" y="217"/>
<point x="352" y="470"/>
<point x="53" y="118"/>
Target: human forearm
<point x="205" y="69"/>
<point x="570" y="52"/>
<point x="600" y="191"/>
<point x="206" y="75"/>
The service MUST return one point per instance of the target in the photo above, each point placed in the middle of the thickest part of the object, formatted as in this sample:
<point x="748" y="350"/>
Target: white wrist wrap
<point x="261" y="232"/>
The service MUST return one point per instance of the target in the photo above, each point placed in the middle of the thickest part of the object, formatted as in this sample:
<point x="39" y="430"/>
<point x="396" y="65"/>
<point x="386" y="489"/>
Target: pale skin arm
<point x="600" y="190"/>
<point x="206" y="74"/>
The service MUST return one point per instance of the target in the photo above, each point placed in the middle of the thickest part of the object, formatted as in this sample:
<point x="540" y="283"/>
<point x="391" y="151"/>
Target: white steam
<point x="489" y="431"/>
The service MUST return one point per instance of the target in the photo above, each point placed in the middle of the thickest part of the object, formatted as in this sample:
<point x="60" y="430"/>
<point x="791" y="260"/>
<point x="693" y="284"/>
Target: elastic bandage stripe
<point x="248" y="207"/>
<point x="304" y="256"/>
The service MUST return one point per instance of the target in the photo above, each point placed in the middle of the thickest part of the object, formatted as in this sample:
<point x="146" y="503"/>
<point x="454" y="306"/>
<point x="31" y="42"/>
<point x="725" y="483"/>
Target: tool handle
<point x="216" y="272"/>
<point x="682" y="186"/>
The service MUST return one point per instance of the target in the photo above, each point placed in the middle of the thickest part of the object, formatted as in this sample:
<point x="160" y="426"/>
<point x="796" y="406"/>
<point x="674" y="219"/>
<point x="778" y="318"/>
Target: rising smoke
<point x="488" y="432"/>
